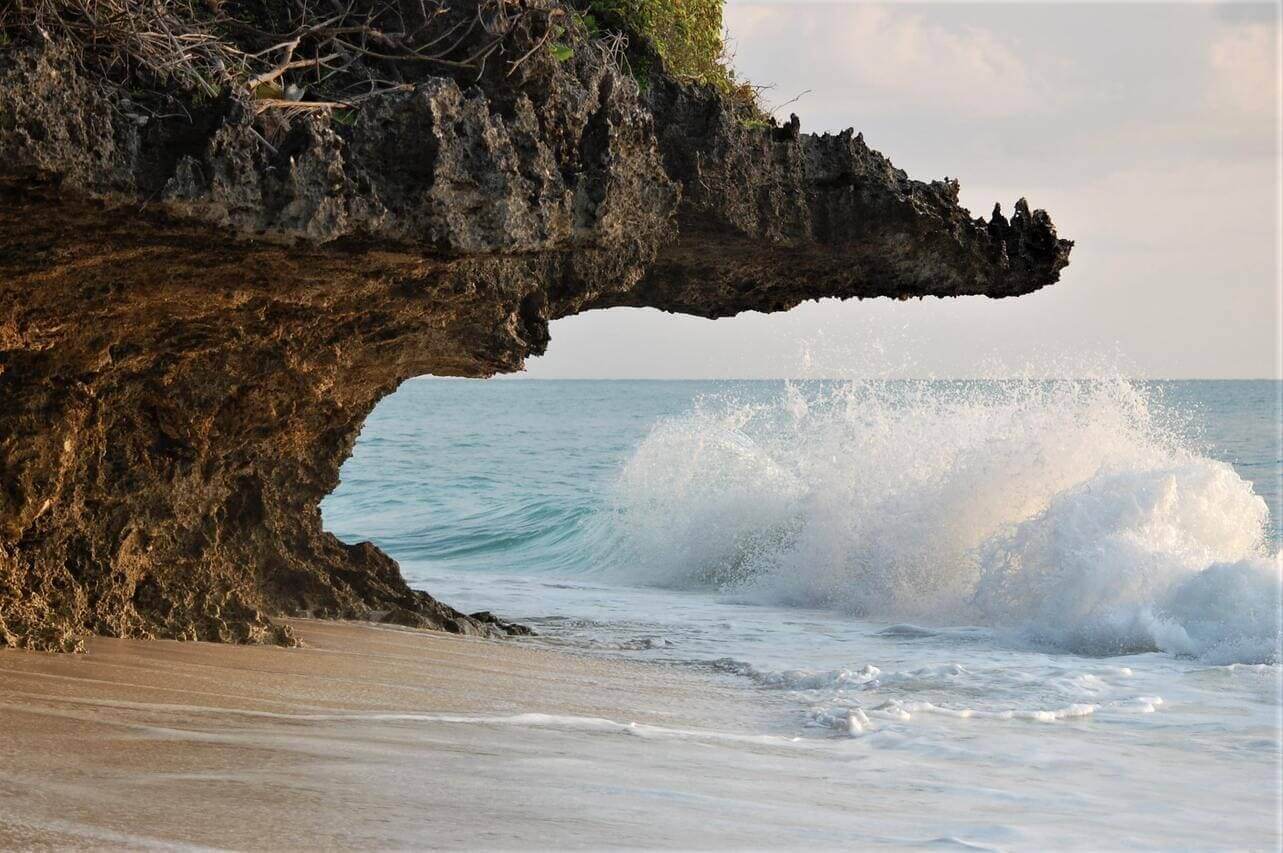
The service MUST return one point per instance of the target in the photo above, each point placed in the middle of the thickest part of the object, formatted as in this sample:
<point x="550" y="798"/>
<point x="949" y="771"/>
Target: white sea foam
<point x="857" y="720"/>
<point x="1070" y="512"/>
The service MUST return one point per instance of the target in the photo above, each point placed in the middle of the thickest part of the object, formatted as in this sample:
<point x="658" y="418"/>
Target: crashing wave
<point x="1071" y="511"/>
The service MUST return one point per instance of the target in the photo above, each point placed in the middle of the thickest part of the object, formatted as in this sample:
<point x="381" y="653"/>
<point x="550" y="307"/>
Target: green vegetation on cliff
<point x="687" y="35"/>
<point x="346" y="52"/>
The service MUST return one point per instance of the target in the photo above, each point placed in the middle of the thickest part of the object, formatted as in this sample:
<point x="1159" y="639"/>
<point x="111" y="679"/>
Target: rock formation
<point x="197" y="316"/>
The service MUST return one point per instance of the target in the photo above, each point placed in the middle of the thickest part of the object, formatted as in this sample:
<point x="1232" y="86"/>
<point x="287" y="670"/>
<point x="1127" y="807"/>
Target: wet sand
<point x="385" y="738"/>
<point x="364" y="738"/>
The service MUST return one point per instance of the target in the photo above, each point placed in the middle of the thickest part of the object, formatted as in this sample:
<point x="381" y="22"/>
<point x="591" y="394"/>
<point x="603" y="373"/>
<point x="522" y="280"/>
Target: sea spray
<point x="1074" y="512"/>
<point x="1168" y="557"/>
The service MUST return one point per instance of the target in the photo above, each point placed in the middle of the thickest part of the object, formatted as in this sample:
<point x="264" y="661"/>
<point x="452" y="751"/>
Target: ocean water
<point x="1063" y="596"/>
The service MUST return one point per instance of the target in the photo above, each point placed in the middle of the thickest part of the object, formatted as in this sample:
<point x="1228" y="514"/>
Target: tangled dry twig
<point x="290" y="57"/>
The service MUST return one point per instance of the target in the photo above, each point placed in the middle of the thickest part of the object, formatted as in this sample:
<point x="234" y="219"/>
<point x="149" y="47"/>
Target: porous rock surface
<point x="195" y="322"/>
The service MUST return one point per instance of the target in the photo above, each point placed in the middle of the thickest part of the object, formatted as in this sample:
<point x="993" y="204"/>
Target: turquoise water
<point x="1046" y="509"/>
<point x="1097" y="518"/>
<point x="1070" y="587"/>
<point x="515" y="475"/>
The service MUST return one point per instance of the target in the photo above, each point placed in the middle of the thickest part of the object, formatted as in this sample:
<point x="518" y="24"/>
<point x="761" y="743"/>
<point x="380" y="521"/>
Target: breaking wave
<point x="1074" y="513"/>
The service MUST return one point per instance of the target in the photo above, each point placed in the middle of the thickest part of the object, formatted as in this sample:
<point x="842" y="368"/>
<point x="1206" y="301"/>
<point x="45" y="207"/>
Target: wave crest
<point x="1071" y="510"/>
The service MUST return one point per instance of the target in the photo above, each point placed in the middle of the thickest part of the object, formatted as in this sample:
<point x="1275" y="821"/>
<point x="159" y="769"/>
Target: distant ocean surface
<point x="1080" y="575"/>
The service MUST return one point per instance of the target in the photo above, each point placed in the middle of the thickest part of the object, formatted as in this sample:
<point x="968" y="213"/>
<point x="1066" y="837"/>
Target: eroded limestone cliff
<point x="197" y="315"/>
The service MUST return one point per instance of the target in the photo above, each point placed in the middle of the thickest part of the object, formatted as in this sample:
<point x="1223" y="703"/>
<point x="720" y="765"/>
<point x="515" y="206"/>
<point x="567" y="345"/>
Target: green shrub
<point x="687" y="35"/>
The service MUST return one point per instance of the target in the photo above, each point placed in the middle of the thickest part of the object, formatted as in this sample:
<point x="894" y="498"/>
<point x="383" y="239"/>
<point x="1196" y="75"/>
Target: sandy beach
<point x="392" y="739"/>
<point x="366" y="737"/>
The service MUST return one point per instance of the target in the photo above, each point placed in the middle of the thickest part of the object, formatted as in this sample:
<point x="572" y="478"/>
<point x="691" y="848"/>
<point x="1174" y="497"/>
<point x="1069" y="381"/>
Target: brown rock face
<point x="195" y="322"/>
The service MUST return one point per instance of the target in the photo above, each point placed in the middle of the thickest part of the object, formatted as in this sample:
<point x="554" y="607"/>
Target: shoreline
<point x="343" y="742"/>
<point x="381" y="737"/>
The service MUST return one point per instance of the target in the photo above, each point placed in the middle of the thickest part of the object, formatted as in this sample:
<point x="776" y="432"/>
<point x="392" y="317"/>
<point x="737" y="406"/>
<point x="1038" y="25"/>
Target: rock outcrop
<point x="195" y="319"/>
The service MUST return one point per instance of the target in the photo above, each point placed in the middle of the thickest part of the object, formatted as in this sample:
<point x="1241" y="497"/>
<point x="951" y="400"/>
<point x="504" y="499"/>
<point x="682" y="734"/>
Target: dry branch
<point x="180" y="50"/>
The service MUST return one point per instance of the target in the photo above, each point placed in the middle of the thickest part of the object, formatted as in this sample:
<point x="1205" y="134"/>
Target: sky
<point x="1148" y="130"/>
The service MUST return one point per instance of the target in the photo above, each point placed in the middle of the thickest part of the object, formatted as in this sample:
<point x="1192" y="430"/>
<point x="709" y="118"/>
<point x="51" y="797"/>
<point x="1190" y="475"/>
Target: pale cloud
<point x="896" y="55"/>
<point x="1243" y="63"/>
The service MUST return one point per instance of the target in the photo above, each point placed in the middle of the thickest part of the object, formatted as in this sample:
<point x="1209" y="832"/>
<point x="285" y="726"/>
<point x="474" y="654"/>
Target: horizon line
<point x="831" y="378"/>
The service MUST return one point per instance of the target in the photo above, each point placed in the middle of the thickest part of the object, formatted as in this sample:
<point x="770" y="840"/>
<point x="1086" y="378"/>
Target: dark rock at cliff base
<point x="512" y="629"/>
<point x="427" y="612"/>
<point x="196" y="319"/>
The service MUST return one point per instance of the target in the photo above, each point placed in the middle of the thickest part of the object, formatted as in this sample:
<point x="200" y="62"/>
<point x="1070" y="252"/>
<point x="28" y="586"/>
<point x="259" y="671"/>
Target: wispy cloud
<point x="894" y="54"/>
<point x="1242" y="59"/>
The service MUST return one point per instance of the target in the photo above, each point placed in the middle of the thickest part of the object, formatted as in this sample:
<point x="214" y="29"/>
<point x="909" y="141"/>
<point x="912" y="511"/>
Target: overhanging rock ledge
<point x="195" y="319"/>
